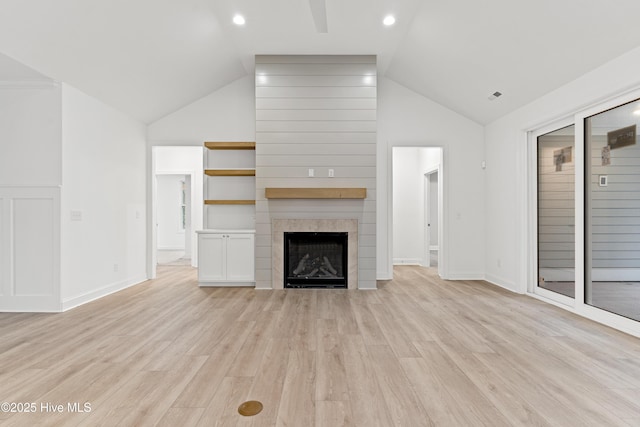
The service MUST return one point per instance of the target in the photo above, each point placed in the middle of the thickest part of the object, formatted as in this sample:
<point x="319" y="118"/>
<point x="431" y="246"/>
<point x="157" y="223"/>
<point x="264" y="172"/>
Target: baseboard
<point x="465" y="276"/>
<point x="502" y="283"/>
<point x="102" y="292"/>
<point x="171" y="248"/>
<point x="407" y="261"/>
<point x="29" y="304"/>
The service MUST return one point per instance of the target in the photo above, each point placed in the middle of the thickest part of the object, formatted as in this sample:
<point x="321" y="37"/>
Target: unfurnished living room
<point x="319" y="213"/>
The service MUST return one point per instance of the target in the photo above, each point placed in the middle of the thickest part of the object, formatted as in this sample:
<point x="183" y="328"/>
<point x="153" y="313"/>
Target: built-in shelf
<point x="230" y="172"/>
<point x="230" y="145"/>
<point x="315" y="193"/>
<point x="229" y="202"/>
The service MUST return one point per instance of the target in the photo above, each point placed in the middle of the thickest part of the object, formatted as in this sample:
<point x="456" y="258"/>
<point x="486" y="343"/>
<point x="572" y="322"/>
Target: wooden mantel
<point x="315" y="193"/>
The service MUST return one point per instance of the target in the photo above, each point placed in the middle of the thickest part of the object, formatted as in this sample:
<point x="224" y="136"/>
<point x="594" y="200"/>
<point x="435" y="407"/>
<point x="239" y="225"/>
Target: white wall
<point x="507" y="249"/>
<point x="30" y="130"/>
<point x="170" y="234"/>
<point x="408" y="119"/>
<point x="227" y="114"/>
<point x="30" y="178"/>
<point x="104" y="186"/>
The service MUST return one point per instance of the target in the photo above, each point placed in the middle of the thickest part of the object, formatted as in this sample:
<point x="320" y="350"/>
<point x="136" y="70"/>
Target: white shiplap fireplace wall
<point x="316" y="112"/>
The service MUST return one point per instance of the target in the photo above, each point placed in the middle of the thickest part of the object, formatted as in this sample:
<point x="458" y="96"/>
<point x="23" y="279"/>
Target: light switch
<point x="331" y="174"/>
<point x="311" y="173"/>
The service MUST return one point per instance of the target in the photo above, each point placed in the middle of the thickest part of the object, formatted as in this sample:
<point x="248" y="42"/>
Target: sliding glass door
<point x="556" y="213"/>
<point x="612" y="211"/>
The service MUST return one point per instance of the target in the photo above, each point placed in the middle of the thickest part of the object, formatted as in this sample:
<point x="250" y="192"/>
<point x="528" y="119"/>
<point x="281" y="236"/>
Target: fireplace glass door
<point x="315" y="260"/>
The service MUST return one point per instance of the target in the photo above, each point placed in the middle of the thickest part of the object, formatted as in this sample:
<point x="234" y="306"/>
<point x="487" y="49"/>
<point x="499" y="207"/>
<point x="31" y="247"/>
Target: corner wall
<point x="103" y="199"/>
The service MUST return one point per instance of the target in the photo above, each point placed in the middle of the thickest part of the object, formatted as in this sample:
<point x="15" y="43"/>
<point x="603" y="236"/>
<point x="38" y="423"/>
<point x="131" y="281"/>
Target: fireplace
<point x="279" y="226"/>
<point x="315" y="260"/>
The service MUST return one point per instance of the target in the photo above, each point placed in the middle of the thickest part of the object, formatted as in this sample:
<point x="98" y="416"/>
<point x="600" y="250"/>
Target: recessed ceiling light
<point x="238" y="20"/>
<point x="389" y="20"/>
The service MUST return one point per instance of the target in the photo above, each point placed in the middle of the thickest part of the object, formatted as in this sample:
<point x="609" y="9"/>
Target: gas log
<point x="316" y="267"/>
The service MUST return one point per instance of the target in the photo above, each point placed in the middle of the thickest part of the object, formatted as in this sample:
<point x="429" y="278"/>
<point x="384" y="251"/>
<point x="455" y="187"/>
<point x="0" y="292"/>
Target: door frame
<point x="196" y="220"/>
<point x="443" y="211"/>
<point x="533" y="270"/>
<point x="427" y="214"/>
<point x="576" y="305"/>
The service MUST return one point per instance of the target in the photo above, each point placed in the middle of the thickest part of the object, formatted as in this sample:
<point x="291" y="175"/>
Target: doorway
<point x="417" y="195"/>
<point x="173" y="215"/>
<point x="176" y="165"/>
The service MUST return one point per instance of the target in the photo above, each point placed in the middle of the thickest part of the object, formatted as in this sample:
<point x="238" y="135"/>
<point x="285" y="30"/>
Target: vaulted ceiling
<point x="149" y="58"/>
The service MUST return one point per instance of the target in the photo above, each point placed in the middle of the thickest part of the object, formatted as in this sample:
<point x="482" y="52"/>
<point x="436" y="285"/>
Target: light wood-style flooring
<point x="420" y="351"/>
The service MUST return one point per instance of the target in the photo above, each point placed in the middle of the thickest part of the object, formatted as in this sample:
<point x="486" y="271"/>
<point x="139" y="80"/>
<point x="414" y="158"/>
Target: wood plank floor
<point x="418" y="352"/>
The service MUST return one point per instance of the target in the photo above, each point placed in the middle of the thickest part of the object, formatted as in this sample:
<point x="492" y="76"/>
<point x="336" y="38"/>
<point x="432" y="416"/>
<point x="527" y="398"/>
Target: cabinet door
<point x="240" y="257"/>
<point x="211" y="257"/>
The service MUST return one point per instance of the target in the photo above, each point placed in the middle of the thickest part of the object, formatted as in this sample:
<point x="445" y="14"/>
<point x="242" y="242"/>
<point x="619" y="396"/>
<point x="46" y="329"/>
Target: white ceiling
<point x="149" y="58"/>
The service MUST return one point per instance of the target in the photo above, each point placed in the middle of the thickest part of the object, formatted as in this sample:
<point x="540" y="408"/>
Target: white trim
<point x="501" y="282"/>
<point x="531" y="238"/>
<point x="407" y="261"/>
<point x="443" y="210"/>
<point x="467" y="276"/>
<point x="595" y="314"/>
<point x="102" y="292"/>
<point x="559" y="299"/>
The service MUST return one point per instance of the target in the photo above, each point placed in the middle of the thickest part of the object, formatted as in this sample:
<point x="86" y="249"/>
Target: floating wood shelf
<point x="229" y="202"/>
<point x="315" y="193"/>
<point x="230" y="145"/>
<point x="230" y="172"/>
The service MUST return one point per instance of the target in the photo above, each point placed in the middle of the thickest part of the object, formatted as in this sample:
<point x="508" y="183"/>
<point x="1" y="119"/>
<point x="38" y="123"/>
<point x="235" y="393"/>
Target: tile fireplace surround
<point x="280" y="226"/>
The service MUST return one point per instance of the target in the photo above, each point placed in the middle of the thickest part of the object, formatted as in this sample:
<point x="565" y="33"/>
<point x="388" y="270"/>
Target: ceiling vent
<point x="494" y="95"/>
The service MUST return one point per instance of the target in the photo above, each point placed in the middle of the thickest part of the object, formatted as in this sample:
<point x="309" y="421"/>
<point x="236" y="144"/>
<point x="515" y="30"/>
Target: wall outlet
<point x="115" y="268"/>
<point x="331" y="174"/>
<point x="311" y="173"/>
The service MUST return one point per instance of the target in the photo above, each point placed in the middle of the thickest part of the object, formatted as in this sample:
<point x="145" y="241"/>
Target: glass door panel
<point x="556" y="211"/>
<point x="612" y="211"/>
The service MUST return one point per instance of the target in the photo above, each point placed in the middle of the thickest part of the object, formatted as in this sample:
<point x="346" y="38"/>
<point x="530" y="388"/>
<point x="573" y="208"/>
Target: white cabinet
<point x="226" y="258"/>
<point x="226" y="245"/>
